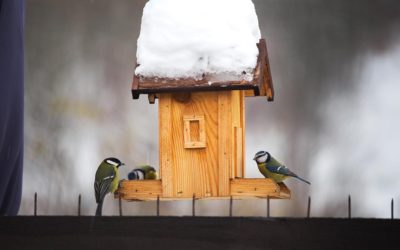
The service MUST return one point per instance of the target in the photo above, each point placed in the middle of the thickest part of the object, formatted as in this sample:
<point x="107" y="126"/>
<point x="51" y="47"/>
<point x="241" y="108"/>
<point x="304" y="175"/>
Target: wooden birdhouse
<point x="202" y="138"/>
<point x="202" y="119"/>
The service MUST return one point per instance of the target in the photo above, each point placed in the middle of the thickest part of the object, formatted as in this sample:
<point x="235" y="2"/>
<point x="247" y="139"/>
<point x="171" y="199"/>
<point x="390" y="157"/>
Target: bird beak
<point x="122" y="164"/>
<point x="254" y="158"/>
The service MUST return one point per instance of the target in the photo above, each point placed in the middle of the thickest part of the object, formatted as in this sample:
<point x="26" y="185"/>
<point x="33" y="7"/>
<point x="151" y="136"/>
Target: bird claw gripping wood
<point x="120" y="184"/>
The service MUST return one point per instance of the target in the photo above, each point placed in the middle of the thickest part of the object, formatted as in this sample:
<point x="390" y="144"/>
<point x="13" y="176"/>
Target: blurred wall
<point x="334" y="120"/>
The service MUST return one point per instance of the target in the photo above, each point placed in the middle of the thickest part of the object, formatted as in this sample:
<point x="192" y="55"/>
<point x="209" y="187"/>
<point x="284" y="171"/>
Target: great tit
<point x="106" y="180"/>
<point x="271" y="168"/>
<point x="144" y="172"/>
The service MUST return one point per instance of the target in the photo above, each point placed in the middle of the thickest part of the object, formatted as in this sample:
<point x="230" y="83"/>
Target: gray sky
<point x="334" y="120"/>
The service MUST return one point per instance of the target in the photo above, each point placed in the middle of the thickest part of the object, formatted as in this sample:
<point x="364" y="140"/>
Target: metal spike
<point x="120" y="205"/>
<point x="194" y="205"/>
<point x="392" y="209"/>
<point x="35" y="205"/>
<point x="230" y="206"/>
<point x="158" y="205"/>
<point x="309" y="207"/>
<point x="349" y="207"/>
<point x="79" y="205"/>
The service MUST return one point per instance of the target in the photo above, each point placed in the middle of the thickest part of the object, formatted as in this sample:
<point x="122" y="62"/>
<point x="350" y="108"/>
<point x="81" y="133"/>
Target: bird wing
<point x="149" y="172"/>
<point x="280" y="169"/>
<point x="276" y="167"/>
<point x="146" y="168"/>
<point x="103" y="183"/>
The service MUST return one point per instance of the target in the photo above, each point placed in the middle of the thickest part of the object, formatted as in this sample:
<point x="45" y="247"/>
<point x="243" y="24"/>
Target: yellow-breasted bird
<point x="144" y="172"/>
<point x="106" y="180"/>
<point x="271" y="168"/>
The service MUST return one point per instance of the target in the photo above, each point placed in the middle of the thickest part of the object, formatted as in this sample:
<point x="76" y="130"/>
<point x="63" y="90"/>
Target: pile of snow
<point x="189" y="38"/>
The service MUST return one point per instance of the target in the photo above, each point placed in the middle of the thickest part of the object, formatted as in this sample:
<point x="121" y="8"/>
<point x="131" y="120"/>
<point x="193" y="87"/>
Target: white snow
<point x="189" y="38"/>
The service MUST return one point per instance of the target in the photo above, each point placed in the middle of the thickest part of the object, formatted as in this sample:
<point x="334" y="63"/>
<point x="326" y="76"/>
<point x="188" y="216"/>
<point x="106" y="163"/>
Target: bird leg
<point x="119" y="183"/>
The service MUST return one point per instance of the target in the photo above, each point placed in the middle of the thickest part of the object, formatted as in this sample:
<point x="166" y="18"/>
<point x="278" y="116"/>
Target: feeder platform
<point x="240" y="188"/>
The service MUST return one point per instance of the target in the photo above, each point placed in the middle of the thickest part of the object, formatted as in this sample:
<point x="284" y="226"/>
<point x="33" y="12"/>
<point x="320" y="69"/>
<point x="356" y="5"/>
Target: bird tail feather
<point x="99" y="207"/>
<point x="302" y="180"/>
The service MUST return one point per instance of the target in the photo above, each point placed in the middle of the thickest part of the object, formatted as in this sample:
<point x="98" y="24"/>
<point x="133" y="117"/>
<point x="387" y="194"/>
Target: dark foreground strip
<point x="43" y="232"/>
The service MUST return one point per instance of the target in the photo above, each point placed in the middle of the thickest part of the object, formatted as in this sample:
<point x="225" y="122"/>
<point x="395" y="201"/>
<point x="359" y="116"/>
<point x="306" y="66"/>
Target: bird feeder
<point x="201" y="59"/>
<point x="202" y="137"/>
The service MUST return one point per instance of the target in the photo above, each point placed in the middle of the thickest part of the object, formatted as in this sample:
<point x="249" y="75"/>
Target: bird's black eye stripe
<point x="269" y="157"/>
<point x="261" y="153"/>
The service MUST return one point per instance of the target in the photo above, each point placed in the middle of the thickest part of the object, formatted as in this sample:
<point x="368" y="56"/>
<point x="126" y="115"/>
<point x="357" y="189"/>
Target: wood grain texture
<point x="238" y="122"/>
<point x="243" y="117"/>
<point x="238" y="156"/>
<point x="194" y="132"/>
<point x="203" y="169"/>
<point x="215" y="169"/>
<point x="195" y="170"/>
<point x="225" y="147"/>
<point x="204" y="172"/>
<point x="149" y="190"/>
<point x="140" y="190"/>
<point x="258" y="187"/>
<point x="284" y="191"/>
<point x="165" y="142"/>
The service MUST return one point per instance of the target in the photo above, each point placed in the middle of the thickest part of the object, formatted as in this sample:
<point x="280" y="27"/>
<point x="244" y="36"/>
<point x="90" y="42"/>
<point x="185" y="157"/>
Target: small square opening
<point x="194" y="131"/>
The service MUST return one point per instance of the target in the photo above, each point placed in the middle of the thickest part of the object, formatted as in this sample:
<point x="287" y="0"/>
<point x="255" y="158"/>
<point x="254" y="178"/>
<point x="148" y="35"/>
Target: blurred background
<point x="335" y="119"/>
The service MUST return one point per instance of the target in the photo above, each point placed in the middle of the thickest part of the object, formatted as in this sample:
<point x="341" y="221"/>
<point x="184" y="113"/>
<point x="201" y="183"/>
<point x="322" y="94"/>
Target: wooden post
<point x="166" y="172"/>
<point x="238" y="125"/>
<point x="224" y="142"/>
<point x="239" y="164"/>
<point x="243" y="117"/>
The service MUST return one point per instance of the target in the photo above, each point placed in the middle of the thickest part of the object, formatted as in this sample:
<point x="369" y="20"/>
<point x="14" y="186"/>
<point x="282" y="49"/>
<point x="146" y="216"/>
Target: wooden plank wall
<point x="224" y="141"/>
<point x="165" y="141"/>
<point x="203" y="172"/>
<point x="193" y="170"/>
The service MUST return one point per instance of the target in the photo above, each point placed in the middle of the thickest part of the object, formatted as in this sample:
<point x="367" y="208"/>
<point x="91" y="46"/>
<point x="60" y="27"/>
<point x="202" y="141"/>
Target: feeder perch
<point x="202" y="138"/>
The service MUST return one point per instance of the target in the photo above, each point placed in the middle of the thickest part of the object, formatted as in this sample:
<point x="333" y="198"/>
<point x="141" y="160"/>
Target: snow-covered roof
<point x="193" y="38"/>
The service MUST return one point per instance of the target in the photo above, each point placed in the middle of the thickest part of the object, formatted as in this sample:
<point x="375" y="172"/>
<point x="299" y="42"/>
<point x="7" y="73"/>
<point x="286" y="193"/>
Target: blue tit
<point x="271" y="168"/>
<point x="106" y="180"/>
<point x="144" y="172"/>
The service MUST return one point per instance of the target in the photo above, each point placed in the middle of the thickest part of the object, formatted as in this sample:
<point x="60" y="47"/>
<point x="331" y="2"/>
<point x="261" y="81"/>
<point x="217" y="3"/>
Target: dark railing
<point x="308" y="214"/>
